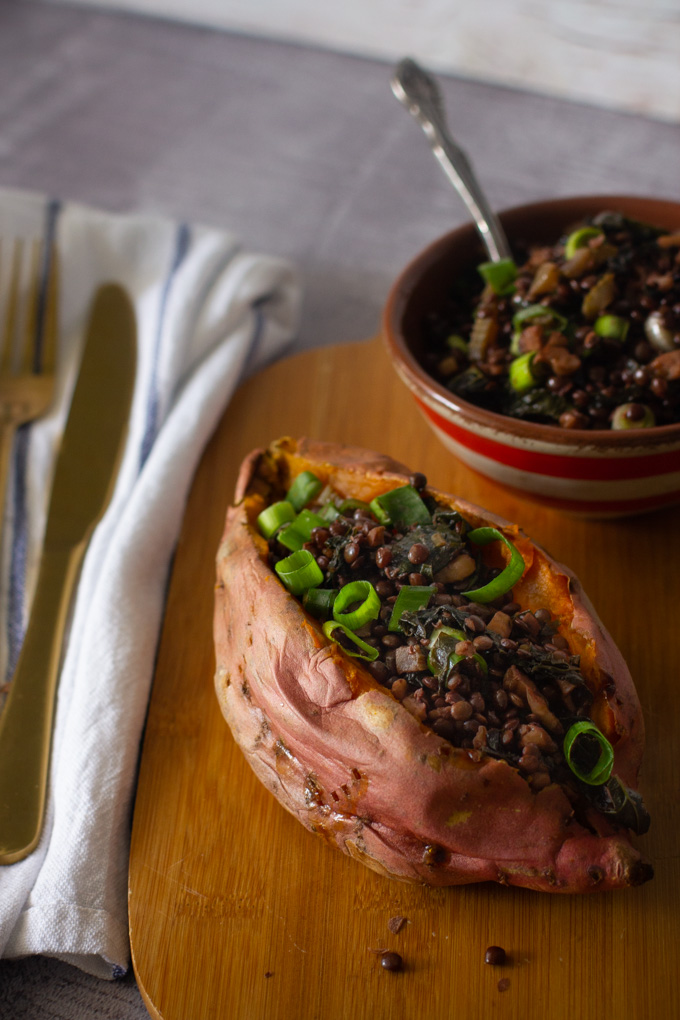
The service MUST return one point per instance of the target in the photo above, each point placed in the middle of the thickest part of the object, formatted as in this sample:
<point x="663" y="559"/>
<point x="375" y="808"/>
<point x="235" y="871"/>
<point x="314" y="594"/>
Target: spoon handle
<point x="419" y="93"/>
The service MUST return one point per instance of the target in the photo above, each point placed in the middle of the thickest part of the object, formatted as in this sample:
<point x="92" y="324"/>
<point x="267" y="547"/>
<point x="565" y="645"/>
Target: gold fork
<point x="28" y="332"/>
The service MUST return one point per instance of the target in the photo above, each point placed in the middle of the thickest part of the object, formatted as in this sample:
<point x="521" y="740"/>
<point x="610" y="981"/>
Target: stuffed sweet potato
<point x="419" y="683"/>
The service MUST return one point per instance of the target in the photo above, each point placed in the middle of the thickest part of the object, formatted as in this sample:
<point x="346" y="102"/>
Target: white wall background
<point x="623" y="54"/>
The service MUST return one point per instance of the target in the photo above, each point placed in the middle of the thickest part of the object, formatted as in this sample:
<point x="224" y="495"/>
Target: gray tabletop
<point x="303" y="153"/>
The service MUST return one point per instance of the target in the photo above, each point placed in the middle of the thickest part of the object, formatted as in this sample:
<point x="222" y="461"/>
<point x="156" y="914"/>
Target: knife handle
<point x="26" y="720"/>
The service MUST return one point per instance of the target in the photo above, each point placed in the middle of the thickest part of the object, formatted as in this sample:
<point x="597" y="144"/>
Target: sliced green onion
<point x="305" y="487"/>
<point x="442" y="657"/>
<point x="319" y="601"/>
<point x="329" y="512"/>
<point x="299" y="571"/>
<point x="500" y="275"/>
<point x="290" y="538"/>
<point x="367" y="652"/>
<point x="300" y="530"/>
<point x="410" y="599"/>
<point x="306" y="521"/>
<point x="520" y="375"/>
<point x="632" y="416"/>
<point x="353" y="504"/>
<point x="382" y="515"/>
<point x="272" y="517"/>
<point x="514" y="342"/>
<point x="457" y="343"/>
<point x="508" y="576"/>
<point x="602" y="769"/>
<point x="612" y="326"/>
<point x="579" y="239"/>
<point x="402" y="506"/>
<point x="444" y="640"/>
<point x="450" y="632"/>
<point x="541" y="312"/>
<point x="367" y="610"/>
<point x="454" y="657"/>
<point x="542" y="315"/>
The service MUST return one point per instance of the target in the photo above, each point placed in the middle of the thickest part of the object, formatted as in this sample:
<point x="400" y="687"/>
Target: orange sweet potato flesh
<point x="344" y="756"/>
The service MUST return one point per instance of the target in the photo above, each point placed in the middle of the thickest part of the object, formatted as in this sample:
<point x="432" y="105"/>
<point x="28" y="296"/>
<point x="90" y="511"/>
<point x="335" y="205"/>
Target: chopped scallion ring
<point x="348" y="505"/>
<point x="299" y="571"/>
<point x="410" y="599"/>
<point x="300" y="530"/>
<point x="642" y="417"/>
<point x="500" y="275"/>
<point x="579" y="239"/>
<point x="305" y="487"/>
<point x="329" y="512"/>
<point x="586" y="733"/>
<point x="507" y="577"/>
<point x="402" y="506"/>
<point x="541" y="314"/>
<point x="455" y="342"/>
<point x="319" y="601"/>
<point x="442" y="645"/>
<point x="454" y="657"/>
<point x="612" y="326"/>
<point x="367" y="610"/>
<point x="272" y="517"/>
<point x="520" y="374"/>
<point x="367" y="651"/>
<point x="450" y="632"/>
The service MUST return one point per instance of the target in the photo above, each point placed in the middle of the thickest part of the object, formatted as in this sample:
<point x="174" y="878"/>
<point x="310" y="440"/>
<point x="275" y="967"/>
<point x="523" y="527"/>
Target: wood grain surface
<point x="237" y="911"/>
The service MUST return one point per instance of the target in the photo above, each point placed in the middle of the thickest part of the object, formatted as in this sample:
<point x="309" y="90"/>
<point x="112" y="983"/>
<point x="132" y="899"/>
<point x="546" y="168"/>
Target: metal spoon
<point x="419" y="93"/>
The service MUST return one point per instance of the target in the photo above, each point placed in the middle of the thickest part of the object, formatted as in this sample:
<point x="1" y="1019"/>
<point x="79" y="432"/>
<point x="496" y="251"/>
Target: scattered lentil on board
<point x="495" y="956"/>
<point x="391" y="961"/>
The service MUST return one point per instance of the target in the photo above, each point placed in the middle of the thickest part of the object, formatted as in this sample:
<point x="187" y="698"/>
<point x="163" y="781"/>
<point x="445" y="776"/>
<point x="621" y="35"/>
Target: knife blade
<point x="84" y="478"/>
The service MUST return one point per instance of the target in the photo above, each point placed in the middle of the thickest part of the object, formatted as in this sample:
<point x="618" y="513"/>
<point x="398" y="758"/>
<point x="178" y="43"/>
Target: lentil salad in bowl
<point x="556" y="373"/>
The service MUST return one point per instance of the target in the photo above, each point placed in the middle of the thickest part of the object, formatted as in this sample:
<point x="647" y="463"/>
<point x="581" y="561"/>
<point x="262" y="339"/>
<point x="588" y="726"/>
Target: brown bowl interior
<point x="423" y="283"/>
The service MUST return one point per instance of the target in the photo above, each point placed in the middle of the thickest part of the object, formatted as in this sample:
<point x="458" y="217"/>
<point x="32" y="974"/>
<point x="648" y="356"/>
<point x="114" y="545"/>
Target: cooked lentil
<point x="495" y="956"/>
<point x="587" y="338"/>
<point x="391" y="961"/>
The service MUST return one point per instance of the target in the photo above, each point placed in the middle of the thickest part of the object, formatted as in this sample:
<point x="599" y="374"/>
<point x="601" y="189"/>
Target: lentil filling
<point x="581" y="334"/>
<point x="463" y="657"/>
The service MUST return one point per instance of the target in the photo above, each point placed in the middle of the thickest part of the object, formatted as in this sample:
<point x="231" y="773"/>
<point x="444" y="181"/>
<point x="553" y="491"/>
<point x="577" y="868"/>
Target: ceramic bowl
<point x="596" y="473"/>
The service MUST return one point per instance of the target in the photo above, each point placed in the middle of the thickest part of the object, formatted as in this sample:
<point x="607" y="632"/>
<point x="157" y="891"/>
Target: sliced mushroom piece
<point x="456" y="570"/>
<point x="659" y="336"/>
<point x="545" y="281"/>
<point x="599" y="297"/>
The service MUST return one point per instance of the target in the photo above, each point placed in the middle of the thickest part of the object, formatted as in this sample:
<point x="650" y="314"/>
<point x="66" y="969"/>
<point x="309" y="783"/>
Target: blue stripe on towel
<point x="16" y="596"/>
<point x="253" y="355"/>
<point x="182" y="241"/>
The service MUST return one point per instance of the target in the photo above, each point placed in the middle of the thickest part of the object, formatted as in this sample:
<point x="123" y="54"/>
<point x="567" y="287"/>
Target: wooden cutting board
<point x="238" y="912"/>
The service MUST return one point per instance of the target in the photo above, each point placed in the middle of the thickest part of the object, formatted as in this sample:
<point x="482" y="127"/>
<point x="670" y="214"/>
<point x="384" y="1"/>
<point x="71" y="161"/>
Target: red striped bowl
<point x="593" y="473"/>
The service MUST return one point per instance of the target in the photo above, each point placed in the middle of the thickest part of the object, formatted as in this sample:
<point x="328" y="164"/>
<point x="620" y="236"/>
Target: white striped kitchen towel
<point x="208" y="313"/>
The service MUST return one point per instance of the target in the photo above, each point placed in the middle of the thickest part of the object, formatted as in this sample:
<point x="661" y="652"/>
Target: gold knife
<point x="84" y="478"/>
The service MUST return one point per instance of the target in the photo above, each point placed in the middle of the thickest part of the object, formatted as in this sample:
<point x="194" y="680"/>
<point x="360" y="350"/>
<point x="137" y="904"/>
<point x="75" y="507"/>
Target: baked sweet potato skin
<point x="352" y="764"/>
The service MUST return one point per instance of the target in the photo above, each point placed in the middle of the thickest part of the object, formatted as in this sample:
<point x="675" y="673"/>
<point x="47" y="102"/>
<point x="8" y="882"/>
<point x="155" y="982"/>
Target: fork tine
<point x="48" y="311"/>
<point x="13" y="305"/>
<point x="29" y="351"/>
